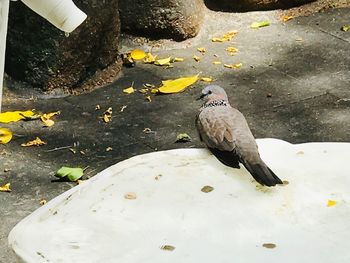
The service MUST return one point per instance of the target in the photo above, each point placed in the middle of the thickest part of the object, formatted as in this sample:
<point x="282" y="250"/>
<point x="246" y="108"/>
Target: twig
<point x="59" y="148"/>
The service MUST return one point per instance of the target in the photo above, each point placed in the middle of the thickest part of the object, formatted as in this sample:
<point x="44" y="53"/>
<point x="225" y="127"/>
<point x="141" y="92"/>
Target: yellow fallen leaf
<point x="42" y="202"/>
<point x="201" y="49"/>
<point x="5" y="188"/>
<point x="256" y="25"/>
<point x="163" y="62"/>
<point x="233" y="65"/>
<point x="108" y="149"/>
<point x="206" y="79"/>
<point x="154" y="91"/>
<point x="226" y="37"/>
<point x="11" y="116"/>
<point x="123" y="108"/>
<point x="177" y="85"/>
<point x="149" y="58"/>
<point x="36" y="142"/>
<point x="107" y="115"/>
<point x="46" y="118"/>
<point x="178" y="59"/>
<point x="196" y="58"/>
<point x="232" y="50"/>
<point x="129" y="90"/>
<point x="147" y="85"/>
<point x="127" y="60"/>
<point x="137" y="54"/>
<point x="331" y="203"/>
<point x="345" y="28"/>
<point x="130" y="196"/>
<point x="147" y="130"/>
<point x="149" y="98"/>
<point x="143" y="90"/>
<point x="217" y="39"/>
<point x="97" y="107"/>
<point x="216" y="62"/>
<point x="286" y="18"/>
<point x="5" y="135"/>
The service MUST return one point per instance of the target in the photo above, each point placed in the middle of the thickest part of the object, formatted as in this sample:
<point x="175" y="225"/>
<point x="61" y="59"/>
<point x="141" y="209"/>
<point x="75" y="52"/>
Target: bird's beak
<point x="201" y="96"/>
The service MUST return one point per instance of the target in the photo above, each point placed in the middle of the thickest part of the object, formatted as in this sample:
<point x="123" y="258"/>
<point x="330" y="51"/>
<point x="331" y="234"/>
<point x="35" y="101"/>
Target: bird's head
<point x="213" y="92"/>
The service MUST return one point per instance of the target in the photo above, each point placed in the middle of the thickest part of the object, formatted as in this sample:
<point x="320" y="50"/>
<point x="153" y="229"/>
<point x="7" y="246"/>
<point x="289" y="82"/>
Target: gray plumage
<point x="226" y="133"/>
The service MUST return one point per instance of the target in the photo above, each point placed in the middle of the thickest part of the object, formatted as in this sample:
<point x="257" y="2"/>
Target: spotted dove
<point x="226" y="133"/>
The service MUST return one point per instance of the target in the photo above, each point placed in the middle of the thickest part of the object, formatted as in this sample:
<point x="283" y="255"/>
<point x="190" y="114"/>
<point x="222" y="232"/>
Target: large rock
<point x="175" y="19"/>
<point x="43" y="56"/>
<point x="250" y="5"/>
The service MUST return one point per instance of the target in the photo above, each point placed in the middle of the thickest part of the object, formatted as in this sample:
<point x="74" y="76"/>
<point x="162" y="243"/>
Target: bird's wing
<point x="215" y="129"/>
<point x="227" y="135"/>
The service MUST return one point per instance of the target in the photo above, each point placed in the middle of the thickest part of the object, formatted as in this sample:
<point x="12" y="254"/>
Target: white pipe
<point x="63" y="14"/>
<point x="4" y="10"/>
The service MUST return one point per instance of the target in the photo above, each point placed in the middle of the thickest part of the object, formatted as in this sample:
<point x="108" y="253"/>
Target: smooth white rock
<point x="94" y="222"/>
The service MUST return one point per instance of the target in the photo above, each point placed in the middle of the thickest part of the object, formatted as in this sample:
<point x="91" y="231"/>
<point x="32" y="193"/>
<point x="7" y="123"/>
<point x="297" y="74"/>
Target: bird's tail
<point x="262" y="173"/>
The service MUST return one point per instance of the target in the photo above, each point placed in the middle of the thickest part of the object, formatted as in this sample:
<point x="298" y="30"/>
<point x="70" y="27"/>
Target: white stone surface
<point x="94" y="222"/>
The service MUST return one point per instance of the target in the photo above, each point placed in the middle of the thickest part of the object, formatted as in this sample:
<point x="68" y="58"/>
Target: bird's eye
<point x="209" y="92"/>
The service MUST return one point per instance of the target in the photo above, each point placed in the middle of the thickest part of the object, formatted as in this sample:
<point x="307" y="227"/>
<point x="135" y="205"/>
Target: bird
<point x="227" y="135"/>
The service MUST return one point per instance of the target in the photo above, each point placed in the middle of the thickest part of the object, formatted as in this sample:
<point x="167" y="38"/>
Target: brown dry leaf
<point x="36" y="142"/>
<point x="130" y="196"/>
<point x="147" y="130"/>
<point x="269" y="245"/>
<point x="107" y="115"/>
<point x="5" y="135"/>
<point x="80" y="181"/>
<point x="13" y="116"/>
<point x="167" y="247"/>
<point x="201" y="49"/>
<point x="207" y="189"/>
<point x="163" y="62"/>
<point x="234" y="66"/>
<point x="149" y="58"/>
<point x="177" y="85"/>
<point x="46" y="118"/>
<point x="217" y="62"/>
<point x="137" y="54"/>
<point x="5" y="188"/>
<point x="226" y="37"/>
<point x="196" y="58"/>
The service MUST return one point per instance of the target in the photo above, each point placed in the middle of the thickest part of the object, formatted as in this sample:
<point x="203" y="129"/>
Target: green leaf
<point x="72" y="174"/>
<point x="345" y="28"/>
<point x="256" y="25"/>
<point x="183" y="137"/>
